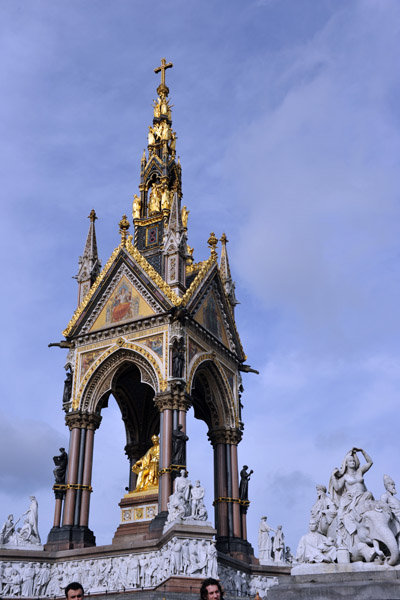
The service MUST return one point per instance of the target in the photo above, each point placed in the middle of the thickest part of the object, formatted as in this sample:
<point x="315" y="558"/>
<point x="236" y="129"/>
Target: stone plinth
<point x="137" y="511"/>
<point x="361" y="581"/>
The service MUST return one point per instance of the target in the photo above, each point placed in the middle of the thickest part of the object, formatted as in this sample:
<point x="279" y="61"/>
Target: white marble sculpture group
<point x="272" y="550"/>
<point x="25" y="536"/>
<point x="348" y="524"/>
<point x="187" y="501"/>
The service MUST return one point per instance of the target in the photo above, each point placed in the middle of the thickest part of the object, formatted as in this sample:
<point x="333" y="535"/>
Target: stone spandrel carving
<point x="349" y="523"/>
<point x="187" y="502"/>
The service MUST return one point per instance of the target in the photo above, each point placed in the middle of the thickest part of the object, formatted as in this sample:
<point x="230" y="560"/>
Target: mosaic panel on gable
<point x="155" y="343"/>
<point x="125" y="304"/>
<point x="193" y="349"/>
<point x="209" y="315"/>
<point x="88" y="358"/>
<point x="230" y="377"/>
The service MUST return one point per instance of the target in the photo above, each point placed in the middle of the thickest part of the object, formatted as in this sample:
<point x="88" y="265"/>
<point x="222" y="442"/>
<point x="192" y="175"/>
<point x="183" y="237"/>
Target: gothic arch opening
<point x="211" y="399"/>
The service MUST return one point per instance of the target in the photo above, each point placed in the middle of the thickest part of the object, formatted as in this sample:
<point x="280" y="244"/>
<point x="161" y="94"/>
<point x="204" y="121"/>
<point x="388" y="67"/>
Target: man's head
<point x="389" y="484"/>
<point x="211" y="590"/>
<point x="74" y="591"/>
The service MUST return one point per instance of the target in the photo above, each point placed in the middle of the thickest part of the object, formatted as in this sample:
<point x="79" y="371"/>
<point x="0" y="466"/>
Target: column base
<point x="236" y="547"/>
<point x="68" y="537"/>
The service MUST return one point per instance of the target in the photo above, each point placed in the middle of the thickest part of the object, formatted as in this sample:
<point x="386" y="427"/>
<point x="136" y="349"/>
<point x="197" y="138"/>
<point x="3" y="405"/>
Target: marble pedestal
<point x="137" y="512"/>
<point x="360" y="581"/>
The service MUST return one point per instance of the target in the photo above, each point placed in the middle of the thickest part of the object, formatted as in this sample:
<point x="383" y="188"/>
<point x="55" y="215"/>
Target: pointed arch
<point x="102" y="374"/>
<point x="212" y="397"/>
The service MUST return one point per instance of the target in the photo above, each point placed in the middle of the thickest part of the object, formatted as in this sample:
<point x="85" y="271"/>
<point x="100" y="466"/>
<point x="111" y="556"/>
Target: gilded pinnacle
<point x="212" y="243"/>
<point x="123" y="229"/>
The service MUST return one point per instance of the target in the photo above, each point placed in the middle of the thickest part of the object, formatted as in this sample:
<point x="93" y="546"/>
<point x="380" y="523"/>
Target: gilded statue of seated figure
<point x="146" y="468"/>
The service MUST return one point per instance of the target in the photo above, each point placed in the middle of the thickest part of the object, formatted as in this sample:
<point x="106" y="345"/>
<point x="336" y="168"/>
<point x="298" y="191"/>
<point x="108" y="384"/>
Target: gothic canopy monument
<point x="157" y="331"/>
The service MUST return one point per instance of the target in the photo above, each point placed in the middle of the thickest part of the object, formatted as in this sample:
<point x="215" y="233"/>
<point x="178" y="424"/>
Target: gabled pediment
<point x="209" y="315"/>
<point x="124" y="291"/>
<point x="124" y="304"/>
<point x="211" y="309"/>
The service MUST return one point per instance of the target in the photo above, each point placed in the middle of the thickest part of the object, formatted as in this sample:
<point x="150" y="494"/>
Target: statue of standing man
<point x="244" y="483"/>
<point x="61" y="463"/>
<point x="179" y="439"/>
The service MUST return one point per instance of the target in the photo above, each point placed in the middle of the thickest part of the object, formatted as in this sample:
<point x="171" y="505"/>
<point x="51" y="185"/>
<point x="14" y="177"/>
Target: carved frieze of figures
<point x="237" y="583"/>
<point x="180" y="556"/>
<point x="348" y="524"/>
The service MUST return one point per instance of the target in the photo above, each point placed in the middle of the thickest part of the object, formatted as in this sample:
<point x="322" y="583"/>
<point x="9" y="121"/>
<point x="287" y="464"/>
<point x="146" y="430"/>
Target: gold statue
<point x="165" y="202"/>
<point x="157" y="107"/>
<point x="146" y="468"/>
<point x="165" y="131"/>
<point x="136" y="207"/>
<point x="185" y="215"/>
<point x="164" y="107"/>
<point x="154" y="204"/>
<point x="151" y="136"/>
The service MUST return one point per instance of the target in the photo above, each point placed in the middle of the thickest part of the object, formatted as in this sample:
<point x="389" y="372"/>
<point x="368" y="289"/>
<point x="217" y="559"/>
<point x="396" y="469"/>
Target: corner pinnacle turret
<point x="89" y="263"/>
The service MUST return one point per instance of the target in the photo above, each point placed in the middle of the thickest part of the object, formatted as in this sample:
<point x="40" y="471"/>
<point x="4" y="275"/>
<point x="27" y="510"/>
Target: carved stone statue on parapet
<point x="278" y="545"/>
<point x="7" y="532"/>
<point x="390" y="499"/>
<point x="264" y="542"/>
<point x="187" y="501"/>
<point x="196" y="500"/>
<point x="61" y="463"/>
<point x="25" y="536"/>
<point x="351" y="521"/>
<point x="315" y="547"/>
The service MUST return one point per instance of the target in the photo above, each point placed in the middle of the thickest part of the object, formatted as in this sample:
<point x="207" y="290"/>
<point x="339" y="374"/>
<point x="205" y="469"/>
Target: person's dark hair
<point x="205" y="584"/>
<point x="74" y="585"/>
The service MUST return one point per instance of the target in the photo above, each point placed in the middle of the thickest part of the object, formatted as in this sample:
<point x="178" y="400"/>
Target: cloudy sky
<point x="287" y="114"/>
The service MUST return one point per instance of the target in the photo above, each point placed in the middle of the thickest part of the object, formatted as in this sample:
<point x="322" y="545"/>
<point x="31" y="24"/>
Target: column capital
<point x="174" y="398"/>
<point x="82" y="420"/>
<point x="221" y="435"/>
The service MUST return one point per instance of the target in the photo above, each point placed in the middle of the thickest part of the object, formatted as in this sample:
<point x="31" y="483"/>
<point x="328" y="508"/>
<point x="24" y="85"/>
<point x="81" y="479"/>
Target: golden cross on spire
<point x="164" y="66"/>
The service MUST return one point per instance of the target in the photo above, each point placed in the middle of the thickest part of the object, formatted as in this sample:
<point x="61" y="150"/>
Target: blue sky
<point x="288" y="131"/>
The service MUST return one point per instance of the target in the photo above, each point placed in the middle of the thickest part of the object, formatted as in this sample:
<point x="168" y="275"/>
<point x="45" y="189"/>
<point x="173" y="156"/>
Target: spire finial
<point x="162" y="88"/>
<point x="92" y="216"/>
<point x="123" y="229"/>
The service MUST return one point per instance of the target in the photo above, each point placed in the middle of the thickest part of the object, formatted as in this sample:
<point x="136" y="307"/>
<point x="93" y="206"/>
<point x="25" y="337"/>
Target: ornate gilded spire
<point x="160" y="180"/>
<point x="89" y="263"/>
<point x="225" y="271"/>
